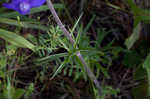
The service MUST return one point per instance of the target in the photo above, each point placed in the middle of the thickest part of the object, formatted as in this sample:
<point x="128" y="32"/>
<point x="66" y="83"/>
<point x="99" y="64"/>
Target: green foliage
<point x="54" y="51"/>
<point x="11" y="92"/>
<point x="7" y="87"/>
<point x="67" y="62"/>
<point x="146" y="65"/>
<point x="132" y="58"/>
<point x="139" y="15"/>
<point x="22" y="24"/>
<point x="134" y="36"/>
<point x="107" y="90"/>
<point x="15" y="39"/>
<point x="29" y="91"/>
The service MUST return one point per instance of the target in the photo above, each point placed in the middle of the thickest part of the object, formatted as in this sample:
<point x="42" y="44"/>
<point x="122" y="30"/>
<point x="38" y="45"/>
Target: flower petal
<point x="36" y="3"/>
<point x="24" y="8"/>
<point x="21" y="8"/>
<point x="16" y="1"/>
<point x="9" y="5"/>
<point x="24" y="12"/>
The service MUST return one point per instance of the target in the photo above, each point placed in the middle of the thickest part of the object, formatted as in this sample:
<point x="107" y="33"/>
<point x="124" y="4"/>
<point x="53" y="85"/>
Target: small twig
<point x="124" y="76"/>
<point x="78" y="54"/>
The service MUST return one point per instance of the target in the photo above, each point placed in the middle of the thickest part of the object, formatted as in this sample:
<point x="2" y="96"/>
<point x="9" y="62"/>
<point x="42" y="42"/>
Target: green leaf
<point x="29" y="91"/>
<point x="132" y="59"/>
<point x="73" y="29"/>
<point x="18" y="93"/>
<point x="15" y="39"/>
<point x="3" y="61"/>
<point x="101" y="34"/>
<point x="59" y="68"/>
<point x="146" y="65"/>
<point x="51" y="57"/>
<point x="140" y="91"/>
<point x="143" y="18"/>
<point x="140" y="14"/>
<point x="22" y="24"/>
<point x="112" y="5"/>
<point x="134" y="36"/>
<point x="140" y="73"/>
<point x="89" y="24"/>
<point x="135" y="9"/>
<point x="147" y="62"/>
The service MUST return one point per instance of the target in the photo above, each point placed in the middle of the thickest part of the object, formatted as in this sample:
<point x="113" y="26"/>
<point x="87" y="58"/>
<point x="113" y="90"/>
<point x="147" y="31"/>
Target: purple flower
<point x="24" y="6"/>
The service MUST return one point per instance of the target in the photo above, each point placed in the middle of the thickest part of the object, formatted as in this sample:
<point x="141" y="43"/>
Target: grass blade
<point x="15" y="39"/>
<point x="22" y="24"/>
<point x="146" y="65"/>
<point x="134" y="37"/>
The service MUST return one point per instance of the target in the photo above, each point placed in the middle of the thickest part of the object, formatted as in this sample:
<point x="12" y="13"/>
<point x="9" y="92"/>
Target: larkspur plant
<point x="23" y="6"/>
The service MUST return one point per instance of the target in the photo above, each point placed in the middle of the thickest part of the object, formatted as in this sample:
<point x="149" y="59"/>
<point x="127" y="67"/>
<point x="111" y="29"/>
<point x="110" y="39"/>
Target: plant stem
<point x="78" y="54"/>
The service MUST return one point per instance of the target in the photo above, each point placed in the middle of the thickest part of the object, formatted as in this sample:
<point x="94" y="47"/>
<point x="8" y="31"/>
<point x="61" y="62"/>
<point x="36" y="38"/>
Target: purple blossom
<point x="23" y="6"/>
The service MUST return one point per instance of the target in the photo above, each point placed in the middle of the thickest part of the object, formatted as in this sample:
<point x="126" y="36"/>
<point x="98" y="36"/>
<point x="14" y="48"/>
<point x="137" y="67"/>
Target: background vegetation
<point x="38" y="62"/>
